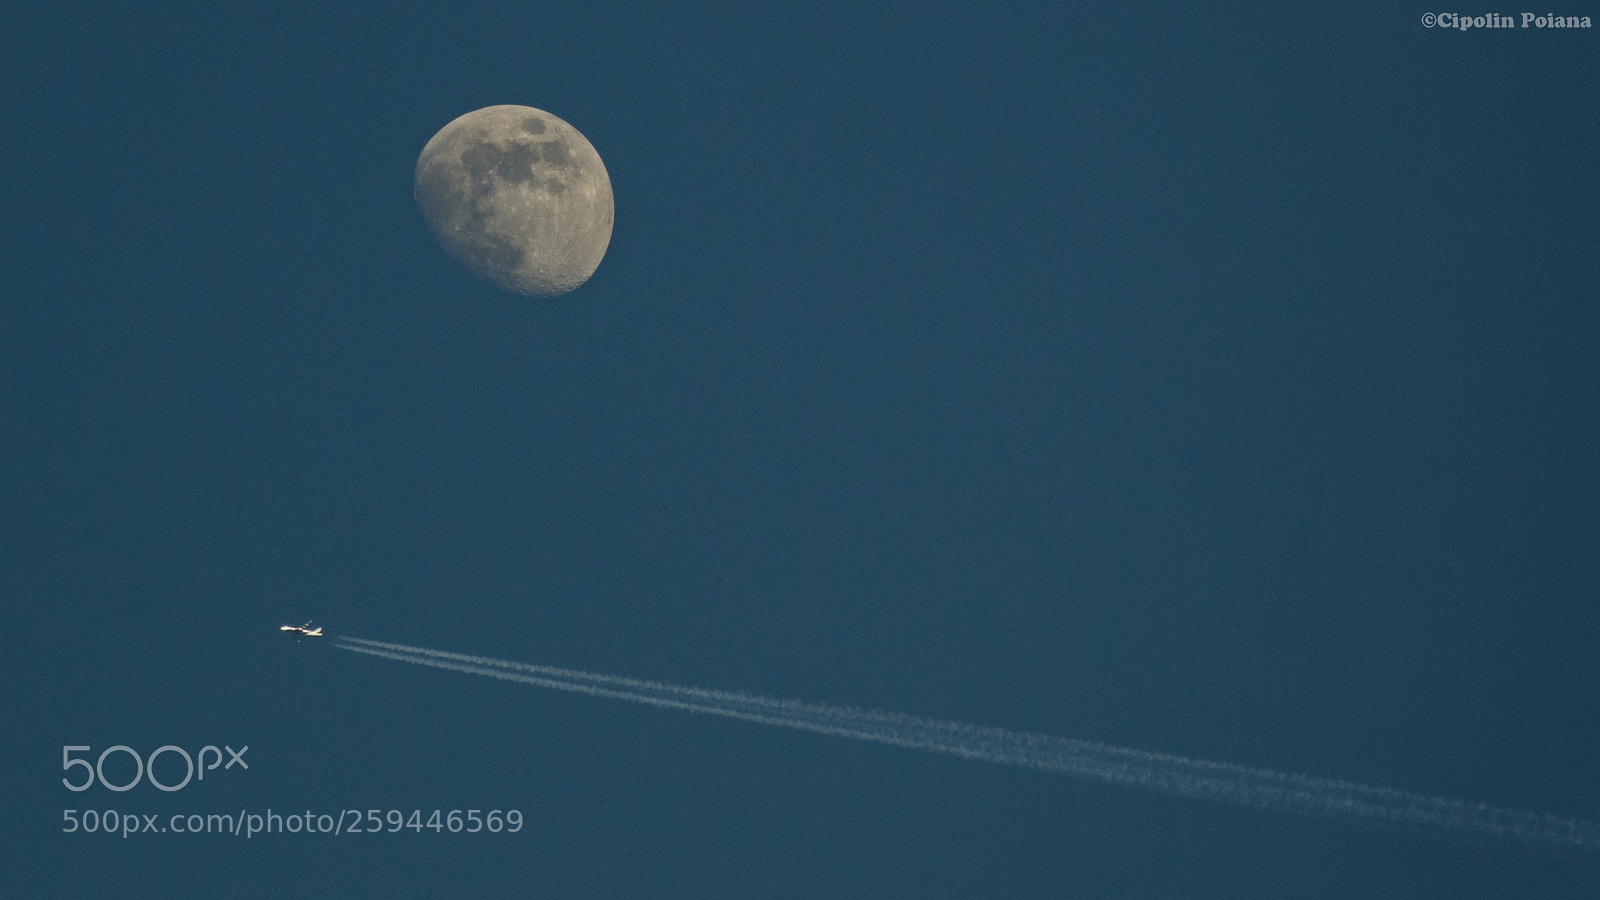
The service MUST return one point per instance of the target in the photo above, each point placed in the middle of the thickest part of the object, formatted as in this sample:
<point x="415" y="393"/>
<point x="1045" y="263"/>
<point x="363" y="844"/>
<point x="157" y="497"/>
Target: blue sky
<point x="1219" y="384"/>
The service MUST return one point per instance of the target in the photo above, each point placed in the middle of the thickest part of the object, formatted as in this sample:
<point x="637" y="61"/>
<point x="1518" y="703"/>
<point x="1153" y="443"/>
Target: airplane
<point x="303" y="630"/>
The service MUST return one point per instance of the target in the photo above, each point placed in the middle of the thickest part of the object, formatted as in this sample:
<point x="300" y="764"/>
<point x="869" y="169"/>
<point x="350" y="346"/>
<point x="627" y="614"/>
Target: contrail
<point x="1194" y="778"/>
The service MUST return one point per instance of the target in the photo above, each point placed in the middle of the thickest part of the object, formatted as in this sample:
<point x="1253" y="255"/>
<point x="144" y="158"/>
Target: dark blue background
<point x="1220" y="381"/>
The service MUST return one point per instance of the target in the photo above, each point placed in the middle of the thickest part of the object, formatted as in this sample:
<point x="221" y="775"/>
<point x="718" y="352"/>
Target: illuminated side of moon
<point x="519" y="197"/>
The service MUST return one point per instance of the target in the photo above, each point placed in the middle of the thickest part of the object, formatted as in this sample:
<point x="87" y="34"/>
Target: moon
<point x="519" y="197"/>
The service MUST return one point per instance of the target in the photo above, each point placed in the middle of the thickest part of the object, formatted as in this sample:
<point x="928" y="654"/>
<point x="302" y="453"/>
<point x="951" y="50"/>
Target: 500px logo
<point x="145" y="767"/>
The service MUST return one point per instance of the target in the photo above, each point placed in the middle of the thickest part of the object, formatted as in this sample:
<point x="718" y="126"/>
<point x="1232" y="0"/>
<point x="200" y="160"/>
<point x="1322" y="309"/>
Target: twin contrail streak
<point x="1198" y="779"/>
